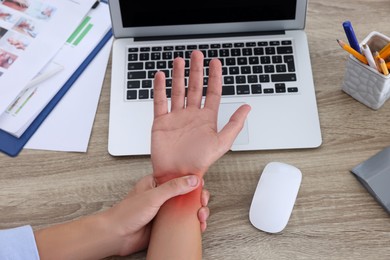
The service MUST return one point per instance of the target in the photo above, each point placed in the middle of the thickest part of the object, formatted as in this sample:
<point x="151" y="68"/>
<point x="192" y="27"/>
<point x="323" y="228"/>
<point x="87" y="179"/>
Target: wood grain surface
<point x="334" y="217"/>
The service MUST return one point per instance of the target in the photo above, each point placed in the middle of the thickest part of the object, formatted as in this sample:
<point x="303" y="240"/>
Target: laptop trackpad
<point x="226" y="110"/>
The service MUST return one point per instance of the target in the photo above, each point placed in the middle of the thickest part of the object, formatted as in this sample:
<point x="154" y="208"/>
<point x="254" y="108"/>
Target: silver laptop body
<point x="283" y="116"/>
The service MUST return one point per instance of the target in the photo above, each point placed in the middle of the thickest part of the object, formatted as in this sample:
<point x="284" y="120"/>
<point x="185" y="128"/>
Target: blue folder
<point x="12" y="145"/>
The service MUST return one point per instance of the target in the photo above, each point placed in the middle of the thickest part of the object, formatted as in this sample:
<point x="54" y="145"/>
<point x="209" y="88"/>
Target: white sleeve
<point x="18" y="244"/>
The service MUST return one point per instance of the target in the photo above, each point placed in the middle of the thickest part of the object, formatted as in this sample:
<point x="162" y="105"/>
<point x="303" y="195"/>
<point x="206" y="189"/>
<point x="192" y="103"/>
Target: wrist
<point x="162" y="177"/>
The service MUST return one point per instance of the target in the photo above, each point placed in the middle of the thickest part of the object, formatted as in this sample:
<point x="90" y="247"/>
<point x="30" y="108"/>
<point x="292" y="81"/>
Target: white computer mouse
<point x="275" y="197"/>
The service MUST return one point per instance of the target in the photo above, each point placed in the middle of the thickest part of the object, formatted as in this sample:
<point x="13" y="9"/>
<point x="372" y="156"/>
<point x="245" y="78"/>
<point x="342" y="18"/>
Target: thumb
<point x="174" y="187"/>
<point x="231" y="130"/>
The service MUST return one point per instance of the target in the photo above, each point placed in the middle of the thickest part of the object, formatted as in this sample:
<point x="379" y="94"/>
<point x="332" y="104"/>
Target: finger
<point x="203" y="215"/>
<point x="205" y="196"/>
<point x="230" y="131"/>
<point x="178" y="88"/>
<point x="159" y="95"/>
<point x="195" y="82"/>
<point x="173" y="188"/>
<point x="145" y="183"/>
<point x="214" y="88"/>
<point x="203" y="226"/>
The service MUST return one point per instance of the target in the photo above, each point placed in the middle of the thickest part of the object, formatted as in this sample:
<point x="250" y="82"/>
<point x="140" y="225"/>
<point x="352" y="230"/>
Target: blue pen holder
<point x="366" y="84"/>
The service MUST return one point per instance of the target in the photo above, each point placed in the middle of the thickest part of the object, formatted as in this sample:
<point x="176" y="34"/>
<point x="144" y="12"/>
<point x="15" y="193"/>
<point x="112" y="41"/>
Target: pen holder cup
<point x="366" y="84"/>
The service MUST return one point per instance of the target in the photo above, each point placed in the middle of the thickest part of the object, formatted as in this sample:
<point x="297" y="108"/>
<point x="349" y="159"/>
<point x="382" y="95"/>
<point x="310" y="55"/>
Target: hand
<point x="132" y="216"/>
<point x="185" y="140"/>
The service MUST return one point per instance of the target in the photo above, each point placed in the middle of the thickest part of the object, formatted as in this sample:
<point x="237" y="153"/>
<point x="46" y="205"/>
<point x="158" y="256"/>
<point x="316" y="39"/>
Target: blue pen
<point x="351" y="36"/>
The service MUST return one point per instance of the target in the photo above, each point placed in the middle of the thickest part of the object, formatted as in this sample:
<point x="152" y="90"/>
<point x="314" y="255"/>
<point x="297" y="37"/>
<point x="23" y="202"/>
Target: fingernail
<point x="192" y="180"/>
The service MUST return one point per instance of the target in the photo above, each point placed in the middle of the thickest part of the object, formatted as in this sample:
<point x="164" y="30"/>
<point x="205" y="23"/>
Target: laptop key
<point x="257" y="69"/>
<point x="268" y="90"/>
<point x="284" y="50"/>
<point x="161" y="65"/>
<point x="280" y="88"/>
<point x="234" y="70"/>
<point x="156" y="55"/>
<point x="135" y="66"/>
<point x="150" y="65"/>
<point x="289" y="60"/>
<point x="254" y="60"/>
<point x="136" y="75"/>
<point x="240" y="79"/>
<point x="133" y="84"/>
<point x="281" y="68"/>
<point x="178" y="54"/>
<point x="242" y="61"/>
<point x="146" y="83"/>
<point x="292" y="89"/>
<point x="243" y="89"/>
<point x="143" y="94"/>
<point x="228" y="90"/>
<point x="235" y="52"/>
<point x="228" y="80"/>
<point x="131" y="94"/>
<point x="169" y="92"/>
<point x="256" y="89"/>
<point x="283" y="77"/>
<point x="269" y="69"/>
<point x="252" y="79"/>
<point x="270" y="50"/>
<point x="132" y="57"/>
<point x="245" y="70"/>
<point x="264" y="78"/>
<point x="167" y="55"/>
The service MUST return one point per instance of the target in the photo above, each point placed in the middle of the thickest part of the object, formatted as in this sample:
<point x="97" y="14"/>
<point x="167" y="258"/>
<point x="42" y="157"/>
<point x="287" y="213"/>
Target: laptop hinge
<point x="212" y="35"/>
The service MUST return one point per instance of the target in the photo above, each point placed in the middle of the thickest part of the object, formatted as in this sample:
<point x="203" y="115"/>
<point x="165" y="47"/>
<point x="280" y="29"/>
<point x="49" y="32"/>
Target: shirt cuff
<point x="18" y="244"/>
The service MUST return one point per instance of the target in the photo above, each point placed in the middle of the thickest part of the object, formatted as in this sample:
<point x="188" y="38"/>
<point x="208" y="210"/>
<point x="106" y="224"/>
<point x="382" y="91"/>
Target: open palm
<point x="185" y="139"/>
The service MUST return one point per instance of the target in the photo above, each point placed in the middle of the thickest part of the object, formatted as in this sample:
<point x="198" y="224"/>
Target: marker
<point x="356" y="54"/>
<point x="351" y="36"/>
<point x="368" y="54"/>
<point x="384" y="69"/>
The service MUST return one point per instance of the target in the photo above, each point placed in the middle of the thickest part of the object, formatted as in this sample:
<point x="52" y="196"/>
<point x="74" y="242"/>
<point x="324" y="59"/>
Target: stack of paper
<point x="42" y="45"/>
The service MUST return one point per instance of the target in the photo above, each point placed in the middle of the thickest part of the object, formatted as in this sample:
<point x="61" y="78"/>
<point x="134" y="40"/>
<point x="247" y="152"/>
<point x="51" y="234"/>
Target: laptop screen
<point x="165" y="18"/>
<point x="145" y="13"/>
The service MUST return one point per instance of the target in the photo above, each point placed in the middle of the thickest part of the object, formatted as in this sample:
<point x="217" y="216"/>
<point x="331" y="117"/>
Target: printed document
<point x="37" y="94"/>
<point x="31" y="33"/>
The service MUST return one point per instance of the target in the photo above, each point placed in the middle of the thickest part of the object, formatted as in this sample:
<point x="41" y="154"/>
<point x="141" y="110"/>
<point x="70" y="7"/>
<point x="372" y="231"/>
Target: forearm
<point x="86" y="238"/>
<point x="176" y="230"/>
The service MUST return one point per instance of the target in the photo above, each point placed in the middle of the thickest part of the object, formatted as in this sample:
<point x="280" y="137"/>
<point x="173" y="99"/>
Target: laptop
<point x="264" y="52"/>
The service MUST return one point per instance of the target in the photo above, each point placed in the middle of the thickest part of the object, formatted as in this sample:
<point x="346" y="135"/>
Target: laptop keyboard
<point x="248" y="68"/>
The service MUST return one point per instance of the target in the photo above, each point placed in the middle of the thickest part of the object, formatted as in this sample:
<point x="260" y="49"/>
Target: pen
<point x="352" y="51"/>
<point x="44" y="76"/>
<point x="353" y="42"/>
<point x="368" y="54"/>
<point x="383" y="67"/>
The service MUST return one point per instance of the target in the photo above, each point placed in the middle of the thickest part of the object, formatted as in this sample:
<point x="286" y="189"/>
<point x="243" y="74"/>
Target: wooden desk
<point x="334" y="216"/>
